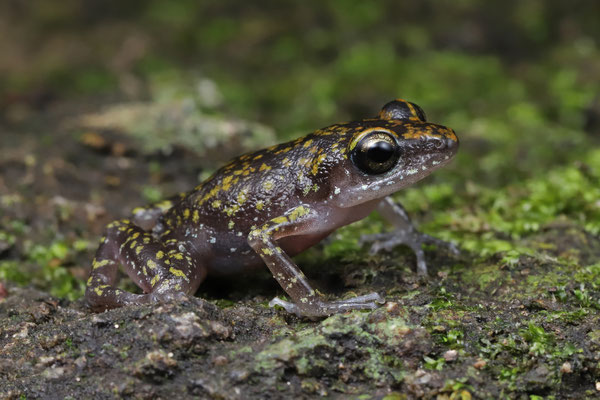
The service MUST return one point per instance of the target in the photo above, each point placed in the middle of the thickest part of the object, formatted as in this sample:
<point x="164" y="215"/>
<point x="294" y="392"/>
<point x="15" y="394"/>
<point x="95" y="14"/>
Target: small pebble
<point x="220" y="360"/>
<point x="566" y="368"/>
<point x="451" y="355"/>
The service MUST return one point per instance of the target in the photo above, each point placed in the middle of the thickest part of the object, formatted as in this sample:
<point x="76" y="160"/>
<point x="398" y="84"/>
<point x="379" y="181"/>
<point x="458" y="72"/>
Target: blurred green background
<point x="106" y="105"/>
<point x="519" y="81"/>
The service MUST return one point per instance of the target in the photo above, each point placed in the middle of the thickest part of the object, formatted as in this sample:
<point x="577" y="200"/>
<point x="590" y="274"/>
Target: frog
<point x="263" y="207"/>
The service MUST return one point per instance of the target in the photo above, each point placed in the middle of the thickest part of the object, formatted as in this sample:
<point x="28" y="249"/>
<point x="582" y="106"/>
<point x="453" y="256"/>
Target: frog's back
<point x="257" y="186"/>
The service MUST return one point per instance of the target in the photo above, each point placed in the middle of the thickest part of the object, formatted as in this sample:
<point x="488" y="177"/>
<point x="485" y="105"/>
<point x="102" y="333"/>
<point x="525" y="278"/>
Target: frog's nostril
<point x="439" y="143"/>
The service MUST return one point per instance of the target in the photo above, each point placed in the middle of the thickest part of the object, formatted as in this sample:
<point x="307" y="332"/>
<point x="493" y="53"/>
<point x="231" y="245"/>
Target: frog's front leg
<point x="164" y="270"/>
<point x="306" y="302"/>
<point x="405" y="233"/>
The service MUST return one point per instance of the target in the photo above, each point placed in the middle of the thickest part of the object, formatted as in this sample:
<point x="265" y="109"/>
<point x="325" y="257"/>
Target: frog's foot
<point x="410" y="238"/>
<point x="181" y="297"/>
<point x="107" y="297"/>
<point x="370" y="301"/>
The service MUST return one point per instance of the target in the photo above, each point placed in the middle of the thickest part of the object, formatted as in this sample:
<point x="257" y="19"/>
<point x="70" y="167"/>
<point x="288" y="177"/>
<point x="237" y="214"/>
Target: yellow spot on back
<point x="242" y="196"/>
<point x="151" y="264"/>
<point x="259" y="205"/>
<point x="284" y="150"/>
<point x="268" y="185"/>
<point x="264" y="167"/>
<point x="196" y="216"/>
<point x="139" y="249"/>
<point x="154" y="280"/>
<point x="160" y="254"/>
<point x="186" y="213"/>
<point x="318" y="162"/>
<point x="211" y="193"/>
<point x="165" y="205"/>
<point x="216" y="204"/>
<point x="232" y="209"/>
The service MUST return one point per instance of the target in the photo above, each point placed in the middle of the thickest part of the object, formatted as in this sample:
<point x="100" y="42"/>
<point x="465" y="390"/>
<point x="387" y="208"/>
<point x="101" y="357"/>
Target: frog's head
<point x="390" y="152"/>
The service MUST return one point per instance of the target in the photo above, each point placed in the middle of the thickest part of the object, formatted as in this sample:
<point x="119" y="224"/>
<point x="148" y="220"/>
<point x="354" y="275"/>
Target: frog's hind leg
<point x="147" y="217"/>
<point x="163" y="271"/>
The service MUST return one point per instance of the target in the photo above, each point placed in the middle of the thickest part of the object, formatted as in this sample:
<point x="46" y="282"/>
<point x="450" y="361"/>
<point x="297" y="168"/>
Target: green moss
<point x="12" y="271"/>
<point x="434" y="364"/>
<point x="486" y="278"/>
<point x="319" y="350"/>
<point x="48" y="267"/>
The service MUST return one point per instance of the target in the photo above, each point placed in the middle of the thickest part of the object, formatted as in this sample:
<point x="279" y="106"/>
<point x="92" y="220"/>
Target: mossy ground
<point x="169" y="90"/>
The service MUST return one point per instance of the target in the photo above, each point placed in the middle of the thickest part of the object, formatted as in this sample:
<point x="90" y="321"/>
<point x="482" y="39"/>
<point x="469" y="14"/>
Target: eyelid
<point x="364" y="133"/>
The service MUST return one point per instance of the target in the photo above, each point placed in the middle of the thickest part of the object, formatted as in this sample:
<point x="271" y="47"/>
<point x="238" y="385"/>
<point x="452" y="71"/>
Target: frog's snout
<point x="446" y="143"/>
<point x="449" y="142"/>
<point x="452" y="143"/>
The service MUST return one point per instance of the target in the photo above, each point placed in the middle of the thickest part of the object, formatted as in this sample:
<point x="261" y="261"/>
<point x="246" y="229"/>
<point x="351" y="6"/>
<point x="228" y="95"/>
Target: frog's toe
<point x="372" y="238"/>
<point x="371" y="298"/>
<point x="440" y="243"/>
<point x="287" y="306"/>
<point x="370" y="301"/>
<point x="386" y="241"/>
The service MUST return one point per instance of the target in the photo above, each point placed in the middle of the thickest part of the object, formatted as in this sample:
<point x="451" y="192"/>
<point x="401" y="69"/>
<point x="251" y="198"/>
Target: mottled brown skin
<point x="264" y="207"/>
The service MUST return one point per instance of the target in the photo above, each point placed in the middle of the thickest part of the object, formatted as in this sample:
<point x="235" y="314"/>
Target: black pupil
<point x="380" y="152"/>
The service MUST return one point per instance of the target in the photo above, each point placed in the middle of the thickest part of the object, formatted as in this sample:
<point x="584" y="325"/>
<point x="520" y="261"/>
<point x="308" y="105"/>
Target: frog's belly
<point x="232" y="254"/>
<point x="238" y="256"/>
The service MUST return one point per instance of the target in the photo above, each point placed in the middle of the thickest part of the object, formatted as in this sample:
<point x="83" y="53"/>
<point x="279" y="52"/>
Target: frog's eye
<point x="375" y="153"/>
